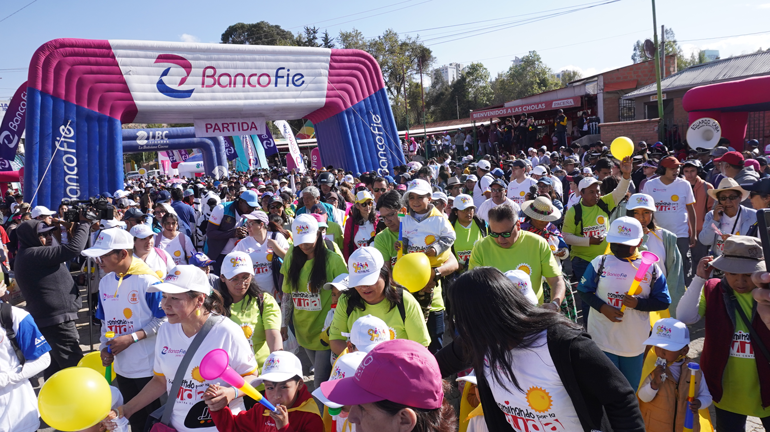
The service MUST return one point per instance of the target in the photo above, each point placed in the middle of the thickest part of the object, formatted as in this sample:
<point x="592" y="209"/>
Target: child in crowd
<point x="295" y="408"/>
<point x="336" y="416"/>
<point x="426" y="230"/>
<point x="202" y="261"/>
<point x="539" y="215"/>
<point x="337" y="286"/>
<point x="473" y="420"/>
<point x="115" y="424"/>
<point x="366" y="333"/>
<point x="520" y="278"/>
<point x="664" y="389"/>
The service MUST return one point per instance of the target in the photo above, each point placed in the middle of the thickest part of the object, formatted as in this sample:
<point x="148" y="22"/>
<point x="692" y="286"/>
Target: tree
<point x="326" y="40"/>
<point x="308" y="37"/>
<point x="530" y="77"/>
<point x="671" y="48"/>
<point x="261" y="33"/>
<point x="567" y="76"/>
<point x="353" y="39"/>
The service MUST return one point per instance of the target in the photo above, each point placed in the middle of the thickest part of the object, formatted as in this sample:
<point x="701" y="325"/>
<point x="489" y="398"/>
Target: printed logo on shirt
<point x="39" y="341"/>
<point x="429" y="240"/>
<point x="534" y="417"/>
<point x="133" y="297"/>
<point x="247" y="331"/>
<point x="666" y="206"/>
<point x="307" y="301"/>
<point x="463" y="256"/>
<point x="177" y="253"/>
<point x="674" y="198"/>
<point x="658" y="189"/>
<point x="522" y="193"/>
<point x="600" y="220"/>
<point x="526" y="268"/>
<point x="741" y="346"/>
<point x="166" y="350"/>
<point x="195" y="373"/>
<point x="120" y="326"/>
<point x="128" y="313"/>
<point x="110" y="296"/>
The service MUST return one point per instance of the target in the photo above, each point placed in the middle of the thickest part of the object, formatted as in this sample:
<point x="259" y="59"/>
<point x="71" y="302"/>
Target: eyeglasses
<point x="158" y="212"/>
<point x="729" y="198"/>
<point x="380" y="189"/>
<point x="496" y="190"/>
<point x="506" y="234"/>
<point x="276" y="207"/>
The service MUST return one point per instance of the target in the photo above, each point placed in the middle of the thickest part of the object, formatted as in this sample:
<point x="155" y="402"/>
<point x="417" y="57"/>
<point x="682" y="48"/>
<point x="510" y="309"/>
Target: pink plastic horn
<point x="648" y="259"/>
<point x="216" y="364"/>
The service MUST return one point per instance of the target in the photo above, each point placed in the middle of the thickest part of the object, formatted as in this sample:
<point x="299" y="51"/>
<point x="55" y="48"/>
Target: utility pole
<point x="663" y="51"/>
<point x="657" y="72"/>
<point x="457" y="103"/>
<point x="422" y="95"/>
<point x="406" y="106"/>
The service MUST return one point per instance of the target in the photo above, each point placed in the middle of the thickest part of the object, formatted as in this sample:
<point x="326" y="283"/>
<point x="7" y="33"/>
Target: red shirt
<point x="254" y="420"/>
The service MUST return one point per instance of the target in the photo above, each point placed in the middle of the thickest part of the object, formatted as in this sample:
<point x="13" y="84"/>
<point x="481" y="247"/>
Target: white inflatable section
<point x="206" y="81"/>
<point x="188" y="168"/>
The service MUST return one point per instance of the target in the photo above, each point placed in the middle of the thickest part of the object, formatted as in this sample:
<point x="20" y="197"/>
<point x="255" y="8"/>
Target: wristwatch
<point x="436" y="274"/>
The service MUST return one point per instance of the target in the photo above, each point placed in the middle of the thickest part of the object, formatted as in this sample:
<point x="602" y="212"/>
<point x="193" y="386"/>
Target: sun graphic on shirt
<point x="177" y="253"/>
<point x="247" y="330"/>
<point x="600" y="220"/>
<point x="269" y="257"/>
<point x="539" y="399"/>
<point x="196" y="374"/>
<point x="128" y="313"/>
<point x="674" y="198"/>
<point x="429" y="240"/>
<point x="525" y="268"/>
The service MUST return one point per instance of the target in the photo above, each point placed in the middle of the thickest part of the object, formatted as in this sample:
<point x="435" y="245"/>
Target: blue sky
<point x="590" y="40"/>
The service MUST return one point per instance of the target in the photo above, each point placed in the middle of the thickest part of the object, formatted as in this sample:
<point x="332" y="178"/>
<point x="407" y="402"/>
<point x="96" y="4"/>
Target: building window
<point x="627" y="110"/>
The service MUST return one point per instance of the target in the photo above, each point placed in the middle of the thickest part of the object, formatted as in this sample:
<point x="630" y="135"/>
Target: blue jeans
<point x="579" y="266"/>
<point x="436" y="331"/>
<point x="630" y="367"/>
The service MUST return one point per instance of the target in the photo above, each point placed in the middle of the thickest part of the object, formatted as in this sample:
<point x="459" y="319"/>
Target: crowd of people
<point x="527" y="312"/>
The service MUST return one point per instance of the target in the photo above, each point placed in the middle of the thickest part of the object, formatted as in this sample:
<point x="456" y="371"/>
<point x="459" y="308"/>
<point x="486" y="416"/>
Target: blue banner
<point x="262" y="160"/>
<point x="268" y="142"/>
<point x="12" y="127"/>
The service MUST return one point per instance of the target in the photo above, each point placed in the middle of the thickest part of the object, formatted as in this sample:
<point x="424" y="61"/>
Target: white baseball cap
<point x="364" y="266"/>
<point x="587" y="182"/>
<point x="280" y="366"/>
<point x="471" y="177"/>
<point x="767" y="149"/>
<point x="41" y="211"/>
<point x="345" y="367"/>
<point x="439" y="196"/>
<point x="236" y="263"/>
<point x="120" y="193"/>
<point x="368" y="332"/>
<point x="348" y="178"/>
<point x="641" y="201"/>
<point x="539" y="170"/>
<point x="670" y="334"/>
<point x="626" y="231"/>
<point x="304" y="229"/>
<point x="340" y="282"/>
<point x="363" y="196"/>
<point x="522" y="281"/>
<point x="141" y="231"/>
<point x="182" y="279"/>
<point x="463" y="201"/>
<point x="111" y="223"/>
<point x="484" y="164"/>
<point x="108" y="241"/>
<point x="419" y="187"/>
<point x="587" y="171"/>
<point x="471" y="378"/>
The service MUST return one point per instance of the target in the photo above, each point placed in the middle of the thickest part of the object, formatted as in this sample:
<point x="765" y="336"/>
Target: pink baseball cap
<point x="400" y="371"/>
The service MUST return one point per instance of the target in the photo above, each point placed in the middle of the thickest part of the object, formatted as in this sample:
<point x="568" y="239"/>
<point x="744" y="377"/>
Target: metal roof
<point x="729" y="69"/>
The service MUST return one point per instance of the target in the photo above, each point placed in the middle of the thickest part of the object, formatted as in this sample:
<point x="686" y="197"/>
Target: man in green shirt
<point x="507" y="247"/>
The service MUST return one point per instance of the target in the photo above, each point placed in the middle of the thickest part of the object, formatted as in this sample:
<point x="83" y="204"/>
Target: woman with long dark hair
<point x="361" y="224"/>
<point x="177" y="244"/>
<point x="307" y="267"/>
<point x="371" y="293"/>
<point x="535" y="369"/>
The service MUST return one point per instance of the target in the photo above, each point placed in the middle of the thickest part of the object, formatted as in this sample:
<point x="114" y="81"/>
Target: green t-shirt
<point x="412" y="327"/>
<point x="741" y="395"/>
<point x="335" y="231"/>
<point x="530" y="253"/>
<point x="310" y="309"/>
<point x="466" y="239"/>
<point x="385" y="242"/>
<point x="595" y="222"/>
<point x="253" y="323"/>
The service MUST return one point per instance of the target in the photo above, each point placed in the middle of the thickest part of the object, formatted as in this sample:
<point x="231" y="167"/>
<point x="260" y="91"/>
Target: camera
<point x="92" y="208"/>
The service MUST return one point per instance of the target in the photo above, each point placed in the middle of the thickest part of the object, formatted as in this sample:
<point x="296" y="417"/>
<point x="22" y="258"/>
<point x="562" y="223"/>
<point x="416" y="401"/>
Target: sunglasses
<point x="729" y="198"/>
<point x="506" y="234"/>
<point x="366" y="204"/>
<point x="380" y="189"/>
<point x="276" y="207"/>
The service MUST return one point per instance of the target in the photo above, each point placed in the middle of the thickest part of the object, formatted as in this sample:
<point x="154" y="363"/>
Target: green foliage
<point x="308" y="37"/>
<point x="261" y="33"/>
<point x="568" y="76"/>
<point x="530" y="77"/>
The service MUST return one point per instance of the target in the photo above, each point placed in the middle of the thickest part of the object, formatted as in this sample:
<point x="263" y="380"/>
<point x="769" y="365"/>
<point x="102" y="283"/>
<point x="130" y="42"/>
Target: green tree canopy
<point x="531" y="76"/>
<point x="261" y="33"/>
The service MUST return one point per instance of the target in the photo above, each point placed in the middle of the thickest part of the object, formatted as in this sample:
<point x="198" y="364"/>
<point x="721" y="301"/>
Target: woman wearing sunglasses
<point x="728" y="216"/>
<point x="361" y="224"/>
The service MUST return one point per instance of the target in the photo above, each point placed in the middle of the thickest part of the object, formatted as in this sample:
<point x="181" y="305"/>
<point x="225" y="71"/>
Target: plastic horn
<point x="648" y="259"/>
<point x="108" y="370"/>
<point x="401" y="214"/>
<point x="216" y="364"/>
<point x="689" y="416"/>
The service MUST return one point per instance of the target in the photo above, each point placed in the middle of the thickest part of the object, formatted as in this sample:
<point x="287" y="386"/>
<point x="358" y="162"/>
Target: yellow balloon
<point x="94" y="361"/>
<point x="622" y="147"/>
<point x="412" y="271"/>
<point x="75" y="398"/>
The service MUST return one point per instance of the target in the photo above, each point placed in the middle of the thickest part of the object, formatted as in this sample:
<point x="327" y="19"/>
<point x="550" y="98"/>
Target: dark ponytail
<point x="213" y="303"/>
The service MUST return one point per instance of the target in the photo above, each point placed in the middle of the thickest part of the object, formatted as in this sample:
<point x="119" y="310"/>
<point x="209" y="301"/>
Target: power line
<point x="378" y="14"/>
<point x="723" y="37"/>
<point x="350" y="15"/>
<point x="24" y="7"/>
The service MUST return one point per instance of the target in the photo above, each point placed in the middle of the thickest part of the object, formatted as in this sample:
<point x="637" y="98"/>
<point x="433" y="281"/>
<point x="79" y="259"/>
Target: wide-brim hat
<point x="728" y="184"/>
<point x="741" y="255"/>
<point x="542" y="209"/>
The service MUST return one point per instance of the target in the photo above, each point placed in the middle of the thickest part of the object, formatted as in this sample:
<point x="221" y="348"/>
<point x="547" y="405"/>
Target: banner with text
<point x="229" y="127"/>
<point x="287" y="133"/>
<point x="13" y="127"/>
<point x="315" y="159"/>
<point x="507" y="111"/>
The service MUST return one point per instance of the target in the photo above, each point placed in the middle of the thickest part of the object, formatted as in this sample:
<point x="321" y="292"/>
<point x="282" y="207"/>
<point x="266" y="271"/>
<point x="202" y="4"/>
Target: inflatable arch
<point x="213" y="148"/>
<point x="81" y="91"/>
<point x="729" y="103"/>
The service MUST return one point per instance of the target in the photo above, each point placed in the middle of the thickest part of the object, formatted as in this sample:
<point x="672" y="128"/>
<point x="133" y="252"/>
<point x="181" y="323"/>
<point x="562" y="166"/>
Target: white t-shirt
<point x="655" y="245"/>
<point x="728" y="225"/>
<point x="190" y="413"/>
<point x="543" y="403"/>
<point x="158" y="264"/>
<point x="127" y="309"/>
<point x="671" y="204"/>
<point x="364" y="233"/>
<point x="518" y="191"/>
<point x="483" y="210"/>
<point x="216" y="218"/>
<point x="481" y="186"/>
<point x="262" y="257"/>
<point x="175" y="248"/>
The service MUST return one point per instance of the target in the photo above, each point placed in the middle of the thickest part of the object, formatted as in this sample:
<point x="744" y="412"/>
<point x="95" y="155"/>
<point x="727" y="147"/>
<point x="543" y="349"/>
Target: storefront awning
<point x="507" y="111"/>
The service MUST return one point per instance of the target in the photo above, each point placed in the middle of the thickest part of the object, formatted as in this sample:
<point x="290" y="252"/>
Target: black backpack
<point x="579" y="213"/>
<point x="6" y="319"/>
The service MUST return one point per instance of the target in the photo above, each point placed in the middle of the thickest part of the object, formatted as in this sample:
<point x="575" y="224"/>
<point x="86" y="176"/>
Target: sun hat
<point x="626" y="231"/>
<point x="463" y="201"/>
<point x="41" y="211"/>
<point x="340" y="282"/>
<point x="364" y="266"/>
<point x="742" y="255"/>
<point x="728" y="183"/>
<point x="419" y="187"/>
<point x="363" y="196"/>
<point x="542" y="209"/>
<point x="182" y="279"/>
<point x="587" y="182"/>
<point x="108" y="241"/>
<point x="236" y="263"/>
<point x="258" y="215"/>
<point x="344" y="367"/>
<point x="142" y="231"/>
<point x="200" y="259"/>
<point x="640" y="201"/>
<point x="453" y="181"/>
<point x="439" y="196"/>
<point x="280" y="366"/>
<point x="250" y="197"/>
<point x="400" y="371"/>
<point x="521" y="280"/>
<point x="669" y="334"/>
<point x="304" y="229"/>
<point x="367" y="332"/>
